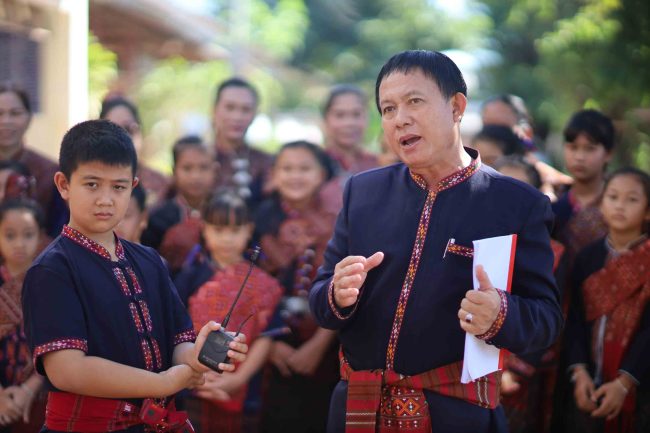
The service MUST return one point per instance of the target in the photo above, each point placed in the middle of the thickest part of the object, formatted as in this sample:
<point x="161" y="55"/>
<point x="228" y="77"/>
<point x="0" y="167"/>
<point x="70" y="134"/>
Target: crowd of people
<point x="224" y="197"/>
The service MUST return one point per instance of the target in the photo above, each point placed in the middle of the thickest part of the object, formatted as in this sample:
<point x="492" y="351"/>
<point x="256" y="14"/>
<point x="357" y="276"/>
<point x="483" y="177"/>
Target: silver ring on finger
<point x="469" y="317"/>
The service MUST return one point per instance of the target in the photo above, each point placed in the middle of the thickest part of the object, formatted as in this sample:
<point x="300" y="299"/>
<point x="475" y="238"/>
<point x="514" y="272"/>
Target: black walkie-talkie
<point x="215" y="349"/>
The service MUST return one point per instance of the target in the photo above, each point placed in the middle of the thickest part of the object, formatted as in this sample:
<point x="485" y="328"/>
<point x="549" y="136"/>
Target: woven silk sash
<point x="397" y="403"/>
<point x="76" y="413"/>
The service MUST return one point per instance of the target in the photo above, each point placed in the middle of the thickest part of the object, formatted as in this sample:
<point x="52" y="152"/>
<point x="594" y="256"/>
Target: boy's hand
<point x="220" y="386"/>
<point x="180" y="377"/>
<point x="237" y="353"/>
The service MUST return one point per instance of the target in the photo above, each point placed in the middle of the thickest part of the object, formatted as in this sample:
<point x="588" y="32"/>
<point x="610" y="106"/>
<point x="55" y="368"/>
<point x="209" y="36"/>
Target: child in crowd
<point x="293" y="228"/>
<point x="135" y="219"/>
<point x="174" y="228"/>
<point x="103" y="321"/>
<point x="528" y="382"/>
<point x="495" y="141"/>
<point x="609" y="320"/>
<point x="16" y="181"/>
<point x="219" y="404"/>
<point x="21" y="409"/>
<point x="589" y="140"/>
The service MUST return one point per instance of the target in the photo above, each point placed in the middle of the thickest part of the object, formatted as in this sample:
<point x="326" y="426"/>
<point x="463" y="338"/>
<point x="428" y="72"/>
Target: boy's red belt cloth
<point x="75" y="413"/>
<point x="385" y="401"/>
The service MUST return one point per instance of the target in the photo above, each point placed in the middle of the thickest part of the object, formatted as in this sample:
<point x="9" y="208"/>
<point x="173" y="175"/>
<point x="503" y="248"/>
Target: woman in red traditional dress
<point x="608" y="332"/>
<point x="21" y="409"/>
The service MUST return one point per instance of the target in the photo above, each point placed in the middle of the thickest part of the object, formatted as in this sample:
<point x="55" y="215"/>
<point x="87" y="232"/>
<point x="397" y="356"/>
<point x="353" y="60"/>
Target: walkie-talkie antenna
<point x="254" y="256"/>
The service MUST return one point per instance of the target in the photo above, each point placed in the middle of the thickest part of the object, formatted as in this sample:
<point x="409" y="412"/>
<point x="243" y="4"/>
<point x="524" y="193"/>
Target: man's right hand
<point x="350" y="274"/>
<point x="584" y="390"/>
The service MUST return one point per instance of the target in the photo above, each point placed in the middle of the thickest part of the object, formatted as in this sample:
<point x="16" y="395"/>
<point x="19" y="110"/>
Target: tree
<point x="564" y="56"/>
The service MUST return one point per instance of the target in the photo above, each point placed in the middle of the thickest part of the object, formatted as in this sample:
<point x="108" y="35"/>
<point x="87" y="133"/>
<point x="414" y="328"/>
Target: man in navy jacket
<point x="398" y="270"/>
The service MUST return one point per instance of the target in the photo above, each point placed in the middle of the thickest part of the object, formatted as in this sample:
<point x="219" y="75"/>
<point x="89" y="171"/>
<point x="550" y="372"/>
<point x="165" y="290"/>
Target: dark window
<point x="19" y="63"/>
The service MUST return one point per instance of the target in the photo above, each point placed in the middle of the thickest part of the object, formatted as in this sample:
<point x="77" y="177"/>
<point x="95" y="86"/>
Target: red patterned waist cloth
<point x="68" y="412"/>
<point x="387" y="402"/>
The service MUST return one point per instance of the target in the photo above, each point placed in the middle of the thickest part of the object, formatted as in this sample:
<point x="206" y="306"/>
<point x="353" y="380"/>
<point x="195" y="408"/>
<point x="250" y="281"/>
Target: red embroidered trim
<point x="156" y="352"/>
<point x="451" y="180"/>
<point x="185" y="337"/>
<point x="498" y="322"/>
<point x="147" y="316"/>
<point x="134" y="280"/>
<point x="122" y="280"/>
<point x="136" y="318"/>
<point x="91" y="245"/>
<point x="146" y="351"/>
<point x="65" y="343"/>
<point x="460" y="250"/>
<point x="410" y="276"/>
<point x="334" y="308"/>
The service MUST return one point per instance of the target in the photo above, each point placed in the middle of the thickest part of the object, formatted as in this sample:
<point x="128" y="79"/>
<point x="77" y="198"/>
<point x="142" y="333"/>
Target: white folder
<point x="497" y="256"/>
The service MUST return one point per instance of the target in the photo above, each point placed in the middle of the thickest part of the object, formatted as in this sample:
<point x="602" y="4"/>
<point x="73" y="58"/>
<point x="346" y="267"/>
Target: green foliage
<point x="565" y="56"/>
<point x="102" y="70"/>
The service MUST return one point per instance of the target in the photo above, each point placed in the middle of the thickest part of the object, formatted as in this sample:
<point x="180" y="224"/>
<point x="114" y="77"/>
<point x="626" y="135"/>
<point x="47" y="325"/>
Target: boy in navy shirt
<point x="103" y="321"/>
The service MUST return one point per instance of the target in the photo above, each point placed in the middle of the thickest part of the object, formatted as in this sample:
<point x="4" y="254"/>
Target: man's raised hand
<point x="350" y="274"/>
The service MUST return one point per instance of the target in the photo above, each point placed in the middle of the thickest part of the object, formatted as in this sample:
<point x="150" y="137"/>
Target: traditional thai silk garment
<point x="246" y="171"/>
<point x="126" y="311"/>
<point x="406" y="317"/>
<point x="174" y="229"/>
<point x="577" y="226"/>
<point x="15" y="359"/>
<point x="293" y="242"/>
<point x="212" y="302"/>
<point x="608" y="328"/>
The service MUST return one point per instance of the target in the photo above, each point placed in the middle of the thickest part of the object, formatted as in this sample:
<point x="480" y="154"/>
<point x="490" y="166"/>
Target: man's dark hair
<point x="594" y="124"/>
<point x="235" y="82"/>
<point x="343" y="89"/>
<point x="118" y="101"/>
<point x="433" y="64"/>
<point x="96" y="140"/>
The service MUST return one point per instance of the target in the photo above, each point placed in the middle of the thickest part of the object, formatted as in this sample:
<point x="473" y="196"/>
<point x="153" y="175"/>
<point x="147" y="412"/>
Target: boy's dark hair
<point x="23" y="204"/>
<point x="188" y="142"/>
<point x="235" y="82"/>
<point x="594" y="124"/>
<point x="96" y="140"/>
<point x="10" y="87"/>
<point x="227" y="208"/>
<point x="515" y="103"/>
<point x="518" y="161"/>
<point x="433" y="64"/>
<point x="140" y="196"/>
<point x="118" y="101"/>
<point x="503" y="137"/>
<point x="323" y="159"/>
<point x="343" y="89"/>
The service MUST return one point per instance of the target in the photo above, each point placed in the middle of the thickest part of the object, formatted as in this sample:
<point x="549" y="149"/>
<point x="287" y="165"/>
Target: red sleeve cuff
<point x="498" y="322"/>
<point x="185" y="337"/>
<point x="53" y="346"/>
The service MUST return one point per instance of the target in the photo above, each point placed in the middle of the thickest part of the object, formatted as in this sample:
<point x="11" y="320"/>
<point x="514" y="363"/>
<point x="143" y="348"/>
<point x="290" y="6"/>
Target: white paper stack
<point x="496" y="255"/>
